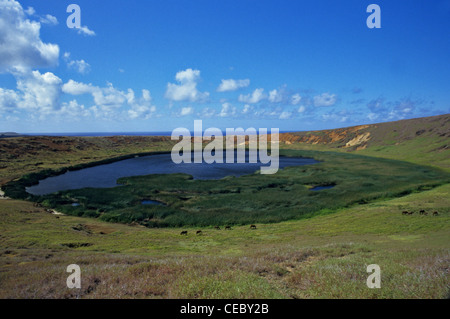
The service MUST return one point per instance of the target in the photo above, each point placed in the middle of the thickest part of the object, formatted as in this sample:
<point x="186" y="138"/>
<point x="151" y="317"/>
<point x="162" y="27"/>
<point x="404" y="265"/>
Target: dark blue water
<point x="102" y="134"/>
<point x="319" y="188"/>
<point x="81" y="134"/>
<point x="151" y="202"/>
<point x="104" y="176"/>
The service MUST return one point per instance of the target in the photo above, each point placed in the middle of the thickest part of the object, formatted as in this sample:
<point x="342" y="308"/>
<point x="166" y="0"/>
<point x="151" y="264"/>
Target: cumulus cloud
<point x="227" y="110"/>
<point x="9" y="100"/>
<point x="336" y="117"/>
<point x="41" y="92"/>
<point x="285" y="115"/>
<point x="207" y="112"/>
<point x="36" y="92"/>
<point x="73" y="110"/>
<point x="380" y="108"/>
<point x="48" y="19"/>
<point x="76" y="88"/>
<point x="84" y="30"/>
<point x="21" y="47"/>
<point x="301" y="109"/>
<point x="186" y="111"/>
<point x="30" y="11"/>
<point x="295" y="99"/>
<point x="247" y="109"/>
<point x="325" y="99"/>
<point x="80" y="66"/>
<point x="253" y="98"/>
<point x="275" y="96"/>
<point x="186" y="90"/>
<point x="142" y="107"/>
<point x="232" y="85"/>
<point x="108" y="99"/>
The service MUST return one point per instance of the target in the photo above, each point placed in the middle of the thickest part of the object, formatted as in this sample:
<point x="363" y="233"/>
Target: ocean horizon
<point x="93" y="134"/>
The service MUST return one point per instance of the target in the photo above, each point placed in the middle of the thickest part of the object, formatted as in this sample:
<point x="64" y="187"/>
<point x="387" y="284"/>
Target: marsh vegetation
<point x="254" y="198"/>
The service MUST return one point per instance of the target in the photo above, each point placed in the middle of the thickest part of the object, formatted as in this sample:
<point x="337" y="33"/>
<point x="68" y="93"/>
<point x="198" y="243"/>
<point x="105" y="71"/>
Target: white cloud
<point x="80" y="66"/>
<point x="255" y="97"/>
<point x="140" y="108"/>
<point x="186" y="111"/>
<point x="372" y="116"/>
<point x="247" y="109"/>
<point x="36" y="93"/>
<point x="275" y="96"/>
<point x="21" y="47"/>
<point x="187" y="89"/>
<point x="109" y="99"/>
<point x="76" y="88"/>
<point x="85" y="31"/>
<point x="232" y="85"/>
<point x="227" y="110"/>
<point x="295" y="99"/>
<point x="285" y="115"/>
<point x="325" y="99"/>
<point x="207" y="112"/>
<point x="9" y="99"/>
<point x="301" y="109"/>
<point x="48" y="19"/>
<point x="41" y="92"/>
<point x="30" y="11"/>
<point x="73" y="110"/>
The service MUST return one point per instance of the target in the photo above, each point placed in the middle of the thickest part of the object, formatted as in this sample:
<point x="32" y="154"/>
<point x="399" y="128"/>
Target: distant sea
<point x="115" y="134"/>
<point x="103" y="134"/>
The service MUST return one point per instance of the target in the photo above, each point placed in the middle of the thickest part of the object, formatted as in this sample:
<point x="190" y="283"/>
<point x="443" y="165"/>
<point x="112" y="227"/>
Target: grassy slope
<point x="325" y="256"/>
<point x="422" y="141"/>
<point x="22" y="155"/>
<point x="320" y="257"/>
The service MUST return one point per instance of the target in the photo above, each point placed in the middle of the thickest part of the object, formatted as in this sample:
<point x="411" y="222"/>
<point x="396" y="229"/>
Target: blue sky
<point x="158" y="65"/>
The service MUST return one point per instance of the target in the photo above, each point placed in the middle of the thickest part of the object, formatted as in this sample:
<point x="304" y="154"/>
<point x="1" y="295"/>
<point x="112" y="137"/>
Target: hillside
<point x="10" y="134"/>
<point x="422" y="141"/>
<point x="28" y="154"/>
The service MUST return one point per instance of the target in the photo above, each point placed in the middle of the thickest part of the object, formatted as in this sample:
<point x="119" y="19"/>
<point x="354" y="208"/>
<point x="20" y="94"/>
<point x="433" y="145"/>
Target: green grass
<point x="320" y="257"/>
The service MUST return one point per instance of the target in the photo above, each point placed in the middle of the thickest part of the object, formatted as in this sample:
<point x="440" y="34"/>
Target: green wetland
<point x="248" y="199"/>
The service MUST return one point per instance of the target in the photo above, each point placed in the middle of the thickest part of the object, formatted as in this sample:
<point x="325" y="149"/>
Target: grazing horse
<point x="405" y="212"/>
<point x="410" y="213"/>
<point x="435" y="214"/>
<point x="217" y="227"/>
<point x="422" y="212"/>
<point x="184" y="232"/>
<point x="228" y="228"/>
<point x="252" y="226"/>
<point x="199" y="232"/>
